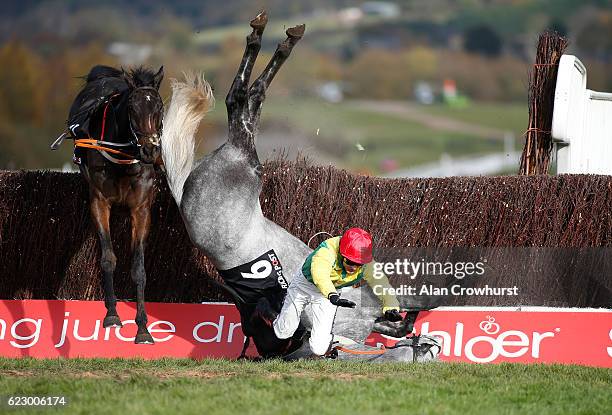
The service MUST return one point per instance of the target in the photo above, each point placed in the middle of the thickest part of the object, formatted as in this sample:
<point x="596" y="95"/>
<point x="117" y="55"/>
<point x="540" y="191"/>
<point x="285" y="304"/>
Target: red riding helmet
<point x="356" y="246"/>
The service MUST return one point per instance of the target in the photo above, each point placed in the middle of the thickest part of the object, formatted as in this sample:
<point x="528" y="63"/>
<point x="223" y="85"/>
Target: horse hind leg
<point x="236" y="100"/>
<point x="257" y="91"/>
<point x="100" y="212"/>
<point x="141" y="220"/>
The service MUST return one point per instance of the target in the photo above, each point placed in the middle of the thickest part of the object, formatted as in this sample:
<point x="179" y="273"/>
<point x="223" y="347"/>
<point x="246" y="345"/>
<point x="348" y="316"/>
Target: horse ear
<point x="157" y="78"/>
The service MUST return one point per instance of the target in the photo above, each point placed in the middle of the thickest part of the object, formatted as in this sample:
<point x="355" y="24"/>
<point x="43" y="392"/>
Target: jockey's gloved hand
<point x="335" y="299"/>
<point x="393" y="316"/>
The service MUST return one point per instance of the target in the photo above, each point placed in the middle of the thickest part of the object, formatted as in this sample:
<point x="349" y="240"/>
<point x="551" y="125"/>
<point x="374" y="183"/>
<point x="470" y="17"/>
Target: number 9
<point x="259" y="270"/>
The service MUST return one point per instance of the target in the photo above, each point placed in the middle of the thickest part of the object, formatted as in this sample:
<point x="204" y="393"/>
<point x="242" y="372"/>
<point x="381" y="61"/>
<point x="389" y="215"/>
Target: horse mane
<point x="135" y="77"/>
<point x="103" y="71"/>
<point x="141" y="76"/>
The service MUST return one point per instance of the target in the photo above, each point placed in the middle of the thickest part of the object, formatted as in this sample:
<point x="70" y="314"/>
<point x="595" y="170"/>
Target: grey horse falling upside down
<point x="218" y="197"/>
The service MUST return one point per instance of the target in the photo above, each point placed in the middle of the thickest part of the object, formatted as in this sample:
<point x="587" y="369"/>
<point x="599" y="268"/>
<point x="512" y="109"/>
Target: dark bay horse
<point x="116" y="122"/>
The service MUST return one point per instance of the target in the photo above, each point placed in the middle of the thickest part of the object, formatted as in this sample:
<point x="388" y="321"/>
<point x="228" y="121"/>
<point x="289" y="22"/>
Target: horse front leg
<point x="100" y="212"/>
<point x="141" y="220"/>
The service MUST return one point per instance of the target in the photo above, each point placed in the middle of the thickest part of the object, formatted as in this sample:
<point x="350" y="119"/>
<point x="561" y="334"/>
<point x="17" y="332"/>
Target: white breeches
<point x="300" y="293"/>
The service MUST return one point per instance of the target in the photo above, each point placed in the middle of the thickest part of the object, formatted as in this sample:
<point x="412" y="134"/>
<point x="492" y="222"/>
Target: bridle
<point x="108" y="148"/>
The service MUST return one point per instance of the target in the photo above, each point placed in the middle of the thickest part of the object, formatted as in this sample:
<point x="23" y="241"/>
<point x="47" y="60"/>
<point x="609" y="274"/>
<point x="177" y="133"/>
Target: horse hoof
<point x="112" y="321"/>
<point x="260" y="21"/>
<point x="296" y="32"/>
<point x="144" y="338"/>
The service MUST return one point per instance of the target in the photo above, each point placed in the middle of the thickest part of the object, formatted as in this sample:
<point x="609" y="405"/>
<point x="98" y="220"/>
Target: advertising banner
<point x="531" y="335"/>
<point x="48" y="329"/>
<point x="41" y="328"/>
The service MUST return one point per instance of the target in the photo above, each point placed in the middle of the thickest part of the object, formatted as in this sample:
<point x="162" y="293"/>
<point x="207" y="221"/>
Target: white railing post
<point x="582" y="122"/>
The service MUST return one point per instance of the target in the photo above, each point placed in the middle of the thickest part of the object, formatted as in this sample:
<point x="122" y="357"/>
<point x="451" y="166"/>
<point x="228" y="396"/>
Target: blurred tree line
<point x="45" y="46"/>
<point x="35" y="93"/>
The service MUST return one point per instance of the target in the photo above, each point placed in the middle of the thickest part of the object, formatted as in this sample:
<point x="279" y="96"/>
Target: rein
<point x="100" y="146"/>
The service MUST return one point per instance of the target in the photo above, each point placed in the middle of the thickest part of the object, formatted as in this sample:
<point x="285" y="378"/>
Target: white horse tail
<point x="191" y="100"/>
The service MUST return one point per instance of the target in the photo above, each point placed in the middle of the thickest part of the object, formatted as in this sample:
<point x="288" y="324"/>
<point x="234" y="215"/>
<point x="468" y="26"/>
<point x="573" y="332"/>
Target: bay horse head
<point x="145" y="112"/>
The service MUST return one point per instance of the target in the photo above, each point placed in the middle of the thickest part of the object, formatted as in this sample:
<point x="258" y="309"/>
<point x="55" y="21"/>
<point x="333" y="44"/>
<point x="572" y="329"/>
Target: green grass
<point x="321" y="387"/>
<point x="338" y="130"/>
<point x="503" y="116"/>
<point x="342" y="127"/>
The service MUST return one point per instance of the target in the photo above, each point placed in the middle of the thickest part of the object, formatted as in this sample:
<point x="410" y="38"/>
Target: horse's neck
<point x="122" y="131"/>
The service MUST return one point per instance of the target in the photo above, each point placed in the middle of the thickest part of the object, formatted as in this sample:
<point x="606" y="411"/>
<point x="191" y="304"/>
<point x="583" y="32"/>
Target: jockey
<point x="337" y="262"/>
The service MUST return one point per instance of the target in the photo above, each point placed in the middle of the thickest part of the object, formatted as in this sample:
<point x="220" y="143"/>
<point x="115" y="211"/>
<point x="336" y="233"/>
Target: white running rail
<point x="582" y="122"/>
